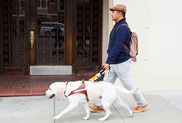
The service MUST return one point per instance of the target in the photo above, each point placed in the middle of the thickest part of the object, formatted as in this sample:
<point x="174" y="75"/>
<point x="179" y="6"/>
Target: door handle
<point x="32" y="39"/>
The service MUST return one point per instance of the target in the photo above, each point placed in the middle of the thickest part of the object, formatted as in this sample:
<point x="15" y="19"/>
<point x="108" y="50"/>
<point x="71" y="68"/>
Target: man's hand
<point x="106" y="65"/>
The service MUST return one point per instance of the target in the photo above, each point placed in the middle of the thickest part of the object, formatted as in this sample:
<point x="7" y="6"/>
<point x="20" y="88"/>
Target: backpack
<point x="133" y="45"/>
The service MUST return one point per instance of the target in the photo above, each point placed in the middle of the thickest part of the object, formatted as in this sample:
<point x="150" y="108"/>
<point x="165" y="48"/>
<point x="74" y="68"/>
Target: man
<point x="118" y="58"/>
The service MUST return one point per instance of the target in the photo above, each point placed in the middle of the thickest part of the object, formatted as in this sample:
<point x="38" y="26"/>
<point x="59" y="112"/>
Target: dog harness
<point x="80" y="89"/>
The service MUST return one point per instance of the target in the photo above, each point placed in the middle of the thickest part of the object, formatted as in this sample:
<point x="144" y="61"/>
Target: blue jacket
<point x="119" y="35"/>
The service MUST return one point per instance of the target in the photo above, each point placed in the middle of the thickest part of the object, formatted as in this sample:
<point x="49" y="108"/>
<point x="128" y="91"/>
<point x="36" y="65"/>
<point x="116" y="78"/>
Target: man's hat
<point x="119" y="7"/>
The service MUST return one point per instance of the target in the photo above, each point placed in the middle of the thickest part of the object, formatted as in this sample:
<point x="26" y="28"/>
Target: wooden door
<point x="88" y="37"/>
<point x="13" y="46"/>
<point x="47" y="26"/>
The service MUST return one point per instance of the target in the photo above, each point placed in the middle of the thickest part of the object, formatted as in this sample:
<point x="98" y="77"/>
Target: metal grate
<point x="13" y="36"/>
<point x="87" y="44"/>
<point x="51" y="39"/>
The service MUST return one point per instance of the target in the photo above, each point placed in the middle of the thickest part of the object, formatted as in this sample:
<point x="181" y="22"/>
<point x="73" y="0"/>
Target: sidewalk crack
<point x="119" y="113"/>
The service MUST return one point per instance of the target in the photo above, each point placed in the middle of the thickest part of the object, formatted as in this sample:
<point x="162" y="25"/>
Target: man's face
<point x="115" y="15"/>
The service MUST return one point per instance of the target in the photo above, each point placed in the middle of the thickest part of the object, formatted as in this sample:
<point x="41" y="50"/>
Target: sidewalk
<point x="40" y="109"/>
<point x="22" y="101"/>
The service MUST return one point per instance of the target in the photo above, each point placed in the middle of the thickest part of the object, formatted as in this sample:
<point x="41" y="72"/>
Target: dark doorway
<point x="50" y="32"/>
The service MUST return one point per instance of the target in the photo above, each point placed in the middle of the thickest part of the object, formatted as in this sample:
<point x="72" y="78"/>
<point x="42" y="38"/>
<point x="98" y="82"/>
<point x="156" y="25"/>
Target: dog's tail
<point x="126" y="91"/>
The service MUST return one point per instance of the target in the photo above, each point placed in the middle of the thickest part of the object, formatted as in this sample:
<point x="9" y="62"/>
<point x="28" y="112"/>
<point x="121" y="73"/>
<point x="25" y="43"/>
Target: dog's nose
<point x="44" y="93"/>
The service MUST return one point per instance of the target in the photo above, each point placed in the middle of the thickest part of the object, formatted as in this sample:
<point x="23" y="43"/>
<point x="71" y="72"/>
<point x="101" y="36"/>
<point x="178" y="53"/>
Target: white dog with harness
<point x="83" y="91"/>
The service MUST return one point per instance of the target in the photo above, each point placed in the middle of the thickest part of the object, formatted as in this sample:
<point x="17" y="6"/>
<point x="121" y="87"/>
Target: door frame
<point x="0" y="39"/>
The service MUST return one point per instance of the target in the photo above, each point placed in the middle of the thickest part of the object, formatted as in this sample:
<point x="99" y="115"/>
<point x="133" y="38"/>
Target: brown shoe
<point x="140" y="109"/>
<point x="96" y="108"/>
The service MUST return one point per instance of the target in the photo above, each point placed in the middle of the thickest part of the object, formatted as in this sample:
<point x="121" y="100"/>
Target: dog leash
<point x="96" y="75"/>
<point x="99" y="75"/>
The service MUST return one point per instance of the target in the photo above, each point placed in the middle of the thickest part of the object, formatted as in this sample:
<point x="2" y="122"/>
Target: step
<point x="51" y="70"/>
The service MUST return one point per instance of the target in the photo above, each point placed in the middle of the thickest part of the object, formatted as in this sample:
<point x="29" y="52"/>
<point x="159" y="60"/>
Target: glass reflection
<point x="13" y="35"/>
<point x="51" y="30"/>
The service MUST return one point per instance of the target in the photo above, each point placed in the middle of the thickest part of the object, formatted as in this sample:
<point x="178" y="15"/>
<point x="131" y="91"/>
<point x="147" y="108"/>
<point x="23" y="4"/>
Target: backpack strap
<point x="123" y="25"/>
<point x="127" y="49"/>
<point x="124" y="45"/>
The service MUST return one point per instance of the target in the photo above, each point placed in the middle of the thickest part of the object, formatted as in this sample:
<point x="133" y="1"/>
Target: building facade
<point x="70" y="37"/>
<point x="49" y="37"/>
<point x="157" y="23"/>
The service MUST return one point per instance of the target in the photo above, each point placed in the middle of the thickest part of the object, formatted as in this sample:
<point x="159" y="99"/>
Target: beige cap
<point x="119" y="7"/>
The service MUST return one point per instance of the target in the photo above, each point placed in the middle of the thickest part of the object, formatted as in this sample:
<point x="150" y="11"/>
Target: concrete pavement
<point x="164" y="107"/>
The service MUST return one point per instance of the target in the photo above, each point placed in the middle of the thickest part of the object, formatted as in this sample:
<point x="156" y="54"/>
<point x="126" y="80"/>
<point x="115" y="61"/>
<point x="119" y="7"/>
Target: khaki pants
<point x="122" y="71"/>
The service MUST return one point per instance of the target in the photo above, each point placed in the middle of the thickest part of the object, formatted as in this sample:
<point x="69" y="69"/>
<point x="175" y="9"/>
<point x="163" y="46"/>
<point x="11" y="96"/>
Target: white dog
<point x="82" y="91"/>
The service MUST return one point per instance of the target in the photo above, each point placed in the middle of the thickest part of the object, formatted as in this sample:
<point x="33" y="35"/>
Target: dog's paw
<point x="85" y="118"/>
<point x="131" y="114"/>
<point x="101" y="119"/>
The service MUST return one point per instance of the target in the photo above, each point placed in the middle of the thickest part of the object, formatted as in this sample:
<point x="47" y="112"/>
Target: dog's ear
<point x="60" y="91"/>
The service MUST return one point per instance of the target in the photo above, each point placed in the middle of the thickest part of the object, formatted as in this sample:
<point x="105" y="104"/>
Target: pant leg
<point x="123" y="72"/>
<point x="110" y="76"/>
